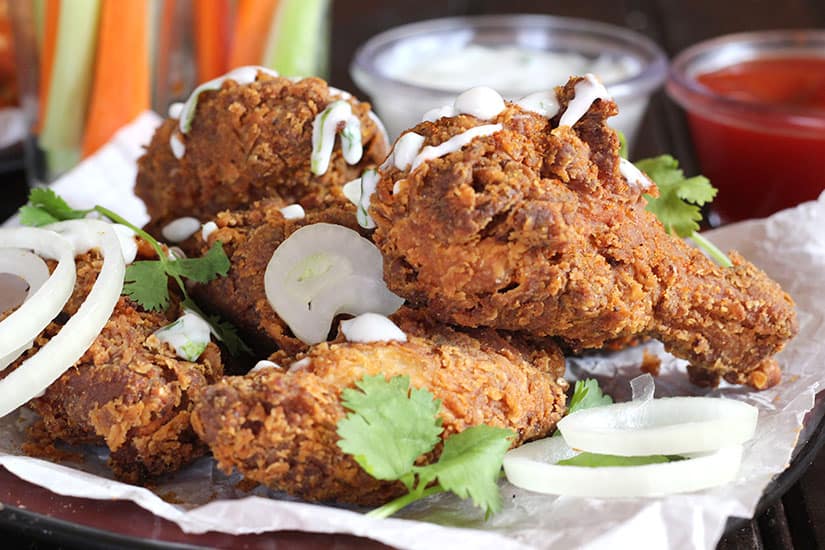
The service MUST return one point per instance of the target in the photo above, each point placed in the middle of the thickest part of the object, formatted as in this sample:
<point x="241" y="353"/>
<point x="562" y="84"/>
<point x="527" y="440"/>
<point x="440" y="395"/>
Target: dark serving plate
<point x="32" y="513"/>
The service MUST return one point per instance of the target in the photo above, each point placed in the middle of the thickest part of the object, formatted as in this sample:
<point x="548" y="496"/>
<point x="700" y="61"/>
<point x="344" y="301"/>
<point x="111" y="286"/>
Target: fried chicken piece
<point x="534" y="228"/>
<point x="279" y="427"/>
<point x="249" y="238"/>
<point x="250" y="142"/>
<point x="128" y="391"/>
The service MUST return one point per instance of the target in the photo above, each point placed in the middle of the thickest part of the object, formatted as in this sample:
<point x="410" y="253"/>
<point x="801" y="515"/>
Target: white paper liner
<point x="790" y="247"/>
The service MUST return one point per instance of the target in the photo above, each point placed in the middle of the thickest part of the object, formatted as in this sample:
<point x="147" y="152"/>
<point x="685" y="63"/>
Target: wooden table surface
<point x="797" y="520"/>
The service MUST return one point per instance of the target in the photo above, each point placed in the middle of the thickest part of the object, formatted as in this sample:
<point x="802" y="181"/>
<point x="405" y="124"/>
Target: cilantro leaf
<point x="586" y="395"/>
<point x="35" y="216"/>
<point x="222" y="329"/>
<point x="679" y="201"/>
<point x="390" y="426"/>
<point x="49" y="203"/>
<point x="211" y="265"/>
<point x="146" y="284"/>
<point x="622" y="144"/>
<point x="595" y="460"/>
<point x="470" y="464"/>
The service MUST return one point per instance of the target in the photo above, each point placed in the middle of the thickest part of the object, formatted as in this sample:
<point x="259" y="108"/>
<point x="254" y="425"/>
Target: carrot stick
<point x="211" y="38"/>
<point x="51" y="11"/>
<point x="252" y="22"/>
<point x="120" y="90"/>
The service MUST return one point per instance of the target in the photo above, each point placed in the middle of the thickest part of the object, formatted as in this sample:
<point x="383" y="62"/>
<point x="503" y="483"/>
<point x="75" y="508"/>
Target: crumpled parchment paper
<point x="790" y="246"/>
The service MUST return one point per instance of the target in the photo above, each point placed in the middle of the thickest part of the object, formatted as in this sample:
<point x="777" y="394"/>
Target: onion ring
<point x="667" y="426"/>
<point x="26" y="265"/>
<point x="22" y="326"/>
<point x="37" y="372"/>
<point x="533" y="467"/>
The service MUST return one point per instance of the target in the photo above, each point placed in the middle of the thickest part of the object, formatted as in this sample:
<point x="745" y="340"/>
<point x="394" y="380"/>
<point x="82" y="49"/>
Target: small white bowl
<point x="400" y="103"/>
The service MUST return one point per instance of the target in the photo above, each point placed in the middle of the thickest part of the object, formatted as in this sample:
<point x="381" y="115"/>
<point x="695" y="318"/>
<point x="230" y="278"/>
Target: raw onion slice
<point x="37" y="372"/>
<point x="26" y="265"/>
<point x="670" y="425"/>
<point x="22" y="326"/>
<point x="322" y="270"/>
<point x="533" y="467"/>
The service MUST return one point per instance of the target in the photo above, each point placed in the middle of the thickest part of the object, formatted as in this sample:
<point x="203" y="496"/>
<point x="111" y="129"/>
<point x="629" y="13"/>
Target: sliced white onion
<point x="533" y="467"/>
<point x="670" y="425"/>
<point x="37" y="372"/>
<point x="322" y="270"/>
<point x="22" y="326"/>
<point x="26" y="265"/>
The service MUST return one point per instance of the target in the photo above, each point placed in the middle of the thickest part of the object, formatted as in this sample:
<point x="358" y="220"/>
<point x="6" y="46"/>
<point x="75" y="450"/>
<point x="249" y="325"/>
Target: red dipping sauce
<point x="758" y="124"/>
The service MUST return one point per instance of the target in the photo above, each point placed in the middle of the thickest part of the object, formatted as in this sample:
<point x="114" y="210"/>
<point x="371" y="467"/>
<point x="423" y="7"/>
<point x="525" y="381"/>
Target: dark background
<point x="796" y="520"/>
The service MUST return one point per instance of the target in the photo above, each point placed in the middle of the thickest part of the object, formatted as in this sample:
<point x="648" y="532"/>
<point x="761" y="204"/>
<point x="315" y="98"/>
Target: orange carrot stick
<point x="121" y="87"/>
<point x="252" y="22"/>
<point x="211" y="37"/>
<point x="52" y="11"/>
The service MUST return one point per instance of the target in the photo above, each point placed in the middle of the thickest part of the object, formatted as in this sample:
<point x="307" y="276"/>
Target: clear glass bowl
<point x="762" y="155"/>
<point x="401" y="104"/>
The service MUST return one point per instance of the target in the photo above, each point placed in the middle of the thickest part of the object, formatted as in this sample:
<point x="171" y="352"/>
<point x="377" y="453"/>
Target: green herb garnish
<point x="146" y="282"/>
<point x="391" y="426"/>
<point x="679" y="201"/>
<point x="586" y="395"/>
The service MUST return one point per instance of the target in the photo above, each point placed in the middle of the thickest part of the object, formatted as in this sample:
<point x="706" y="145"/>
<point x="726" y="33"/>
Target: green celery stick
<point x="71" y="81"/>
<point x="297" y="41"/>
<point x="39" y="18"/>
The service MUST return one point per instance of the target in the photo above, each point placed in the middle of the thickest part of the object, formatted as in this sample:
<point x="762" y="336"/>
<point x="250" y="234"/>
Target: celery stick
<point x="39" y="18"/>
<point x="297" y="41"/>
<point x="71" y="80"/>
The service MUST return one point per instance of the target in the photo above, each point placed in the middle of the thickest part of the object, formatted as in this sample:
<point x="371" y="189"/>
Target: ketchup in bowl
<point x="755" y="104"/>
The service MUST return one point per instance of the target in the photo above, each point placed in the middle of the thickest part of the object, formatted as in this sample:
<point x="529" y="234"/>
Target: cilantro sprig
<point x="679" y="201"/>
<point x="391" y="426"/>
<point x="146" y="281"/>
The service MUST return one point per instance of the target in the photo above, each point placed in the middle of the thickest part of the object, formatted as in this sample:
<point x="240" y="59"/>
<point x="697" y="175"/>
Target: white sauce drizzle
<point x="180" y="229"/>
<point x="587" y="90"/>
<point x="186" y="113"/>
<point x="359" y="192"/>
<point x="324" y="129"/>
<point x="634" y="176"/>
<point x="404" y="152"/>
<point x="207" y="229"/>
<point x="128" y="245"/>
<point x="481" y="102"/>
<point x="455" y="143"/>
<point x="544" y="104"/>
<point x="439" y="112"/>
<point x="189" y="336"/>
<point x="371" y="327"/>
<point x="293" y="212"/>
<point x="175" y="109"/>
<point x="264" y="364"/>
<point x="302" y="364"/>
<point x="396" y="187"/>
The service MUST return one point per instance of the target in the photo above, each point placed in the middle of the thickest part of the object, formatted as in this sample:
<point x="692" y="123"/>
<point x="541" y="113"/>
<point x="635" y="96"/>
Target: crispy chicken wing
<point x="535" y="228"/>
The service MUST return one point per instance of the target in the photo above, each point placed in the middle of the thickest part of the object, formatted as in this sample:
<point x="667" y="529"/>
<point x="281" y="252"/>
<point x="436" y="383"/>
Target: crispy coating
<point x="249" y="238"/>
<point x="128" y="391"/>
<point x="250" y="142"/>
<point x="534" y="228"/>
<point x="278" y="427"/>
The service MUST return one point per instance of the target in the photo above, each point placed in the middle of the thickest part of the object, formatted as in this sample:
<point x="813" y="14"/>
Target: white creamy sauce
<point x="261" y="365"/>
<point x="207" y="229"/>
<point x="404" y="152"/>
<point x="371" y="327"/>
<point x="453" y="144"/>
<point x="512" y="69"/>
<point x="175" y="110"/>
<point x="324" y="129"/>
<point x="587" y="90"/>
<point x="302" y="364"/>
<point x="634" y="176"/>
<point x="439" y="112"/>
<point x="180" y="229"/>
<point x="544" y="104"/>
<point x="81" y="236"/>
<point x="359" y="192"/>
<point x="128" y="244"/>
<point x="293" y="212"/>
<point x="481" y="102"/>
<point x="186" y="113"/>
<point x="188" y="336"/>
<point x="396" y="187"/>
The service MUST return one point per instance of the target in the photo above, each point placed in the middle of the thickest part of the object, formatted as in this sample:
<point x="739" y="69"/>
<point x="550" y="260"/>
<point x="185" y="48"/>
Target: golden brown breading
<point x="279" y="428"/>
<point x="534" y="228"/>
<point x="249" y="238"/>
<point x="250" y="142"/>
<point x="127" y="391"/>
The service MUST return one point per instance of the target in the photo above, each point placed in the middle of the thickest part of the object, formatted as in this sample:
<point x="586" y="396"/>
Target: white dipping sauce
<point x="633" y="175"/>
<point x="404" y="152"/>
<point x="455" y="143"/>
<point x="188" y="336"/>
<point x="587" y="90"/>
<point x="180" y="229"/>
<point x="293" y="212"/>
<point x="325" y="127"/>
<point x="207" y="229"/>
<point x="371" y="327"/>
<point x="264" y="364"/>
